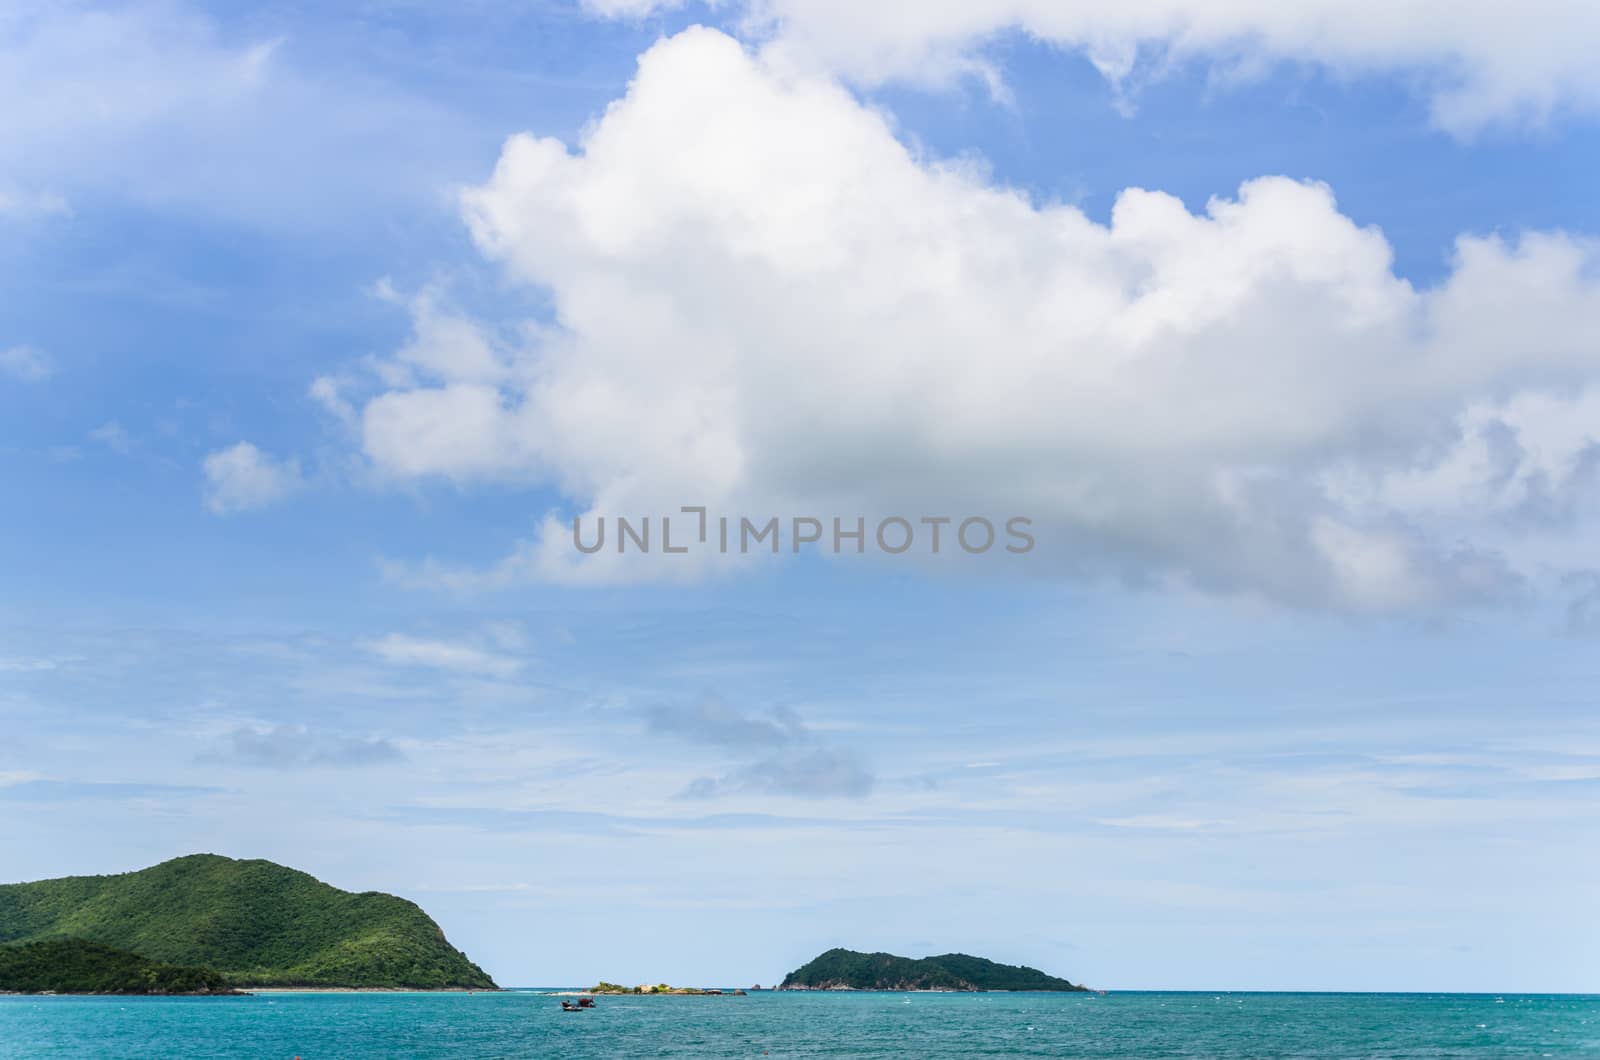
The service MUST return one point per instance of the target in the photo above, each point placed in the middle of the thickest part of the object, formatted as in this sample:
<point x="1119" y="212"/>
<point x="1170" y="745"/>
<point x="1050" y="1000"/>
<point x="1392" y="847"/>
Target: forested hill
<point x="77" y="966"/>
<point x="255" y="922"/>
<point x="841" y="969"/>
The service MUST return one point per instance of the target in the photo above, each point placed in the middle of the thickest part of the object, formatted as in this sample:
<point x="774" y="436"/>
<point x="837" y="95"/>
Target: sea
<point x="530" y="1023"/>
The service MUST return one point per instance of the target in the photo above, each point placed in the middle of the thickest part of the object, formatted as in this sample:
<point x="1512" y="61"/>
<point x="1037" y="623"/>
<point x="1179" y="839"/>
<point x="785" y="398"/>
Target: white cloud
<point x="1480" y="63"/>
<point x="113" y="436"/>
<point x="405" y="650"/>
<point x="25" y="363"/>
<point x="629" y="8"/>
<point x="26" y="665"/>
<point x="1532" y="456"/>
<point x="27" y="205"/>
<point x="242" y="477"/>
<point x="1523" y="472"/>
<point x="767" y="304"/>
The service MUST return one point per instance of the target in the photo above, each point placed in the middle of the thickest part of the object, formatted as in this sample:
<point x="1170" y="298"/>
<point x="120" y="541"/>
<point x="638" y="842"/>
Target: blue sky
<point x="305" y="367"/>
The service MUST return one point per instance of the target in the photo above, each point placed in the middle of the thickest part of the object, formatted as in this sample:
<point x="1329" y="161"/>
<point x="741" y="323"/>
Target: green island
<point x="77" y="966"/>
<point x="209" y="921"/>
<point x="840" y="969"/>
<point x="604" y="987"/>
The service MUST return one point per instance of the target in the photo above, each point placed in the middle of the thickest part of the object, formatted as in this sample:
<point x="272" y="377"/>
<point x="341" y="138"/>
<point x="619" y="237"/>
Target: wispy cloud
<point x="113" y="436"/>
<point x="76" y="790"/>
<point x="813" y="773"/>
<point x="404" y="650"/>
<point x="26" y="665"/>
<point x="27" y="205"/>
<point x="711" y="721"/>
<point x="798" y="766"/>
<point x="25" y="363"/>
<point x="190" y="112"/>
<point x="293" y="746"/>
<point x="590" y="823"/>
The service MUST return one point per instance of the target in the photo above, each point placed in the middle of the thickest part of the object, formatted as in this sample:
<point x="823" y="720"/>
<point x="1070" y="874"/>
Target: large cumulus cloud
<point x="766" y="302"/>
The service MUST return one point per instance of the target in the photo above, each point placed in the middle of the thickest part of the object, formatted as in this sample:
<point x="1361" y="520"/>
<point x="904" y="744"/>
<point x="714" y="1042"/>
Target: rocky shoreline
<point x="660" y="990"/>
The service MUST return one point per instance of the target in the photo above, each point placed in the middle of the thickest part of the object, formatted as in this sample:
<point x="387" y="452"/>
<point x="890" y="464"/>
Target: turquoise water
<point x="1147" y="1026"/>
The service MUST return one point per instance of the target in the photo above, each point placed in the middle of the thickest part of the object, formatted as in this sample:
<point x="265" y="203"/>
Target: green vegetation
<point x="840" y="969"/>
<point x="257" y="923"/>
<point x="77" y="966"/>
<point x="603" y="987"/>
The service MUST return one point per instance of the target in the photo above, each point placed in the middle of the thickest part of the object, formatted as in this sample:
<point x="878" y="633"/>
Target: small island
<point x="604" y="987"/>
<point x="841" y="969"/>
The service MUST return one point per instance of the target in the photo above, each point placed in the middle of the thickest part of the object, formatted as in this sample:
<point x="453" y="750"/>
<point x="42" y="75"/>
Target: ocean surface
<point x="530" y="1023"/>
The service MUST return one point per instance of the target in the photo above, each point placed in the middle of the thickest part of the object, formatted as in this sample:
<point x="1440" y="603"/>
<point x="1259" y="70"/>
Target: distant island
<point x="840" y="969"/>
<point x="207" y="924"/>
<point x="604" y="987"/>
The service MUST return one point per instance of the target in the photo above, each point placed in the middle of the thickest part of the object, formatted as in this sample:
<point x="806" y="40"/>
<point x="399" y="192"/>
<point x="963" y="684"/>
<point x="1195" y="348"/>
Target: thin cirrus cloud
<point x="1478" y="65"/>
<point x="1246" y="399"/>
<point x="807" y="773"/>
<point x="294" y="746"/>
<point x="182" y="106"/>
<point x="49" y="791"/>
<point x="26" y="664"/>
<point x="405" y="650"/>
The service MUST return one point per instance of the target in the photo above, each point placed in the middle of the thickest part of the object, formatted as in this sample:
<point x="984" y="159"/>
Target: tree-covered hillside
<point x="840" y="969"/>
<point x="255" y="922"/>
<point x="76" y="966"/>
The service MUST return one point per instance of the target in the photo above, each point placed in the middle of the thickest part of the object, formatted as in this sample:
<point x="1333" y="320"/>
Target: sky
<point x="1277" y="326"/>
